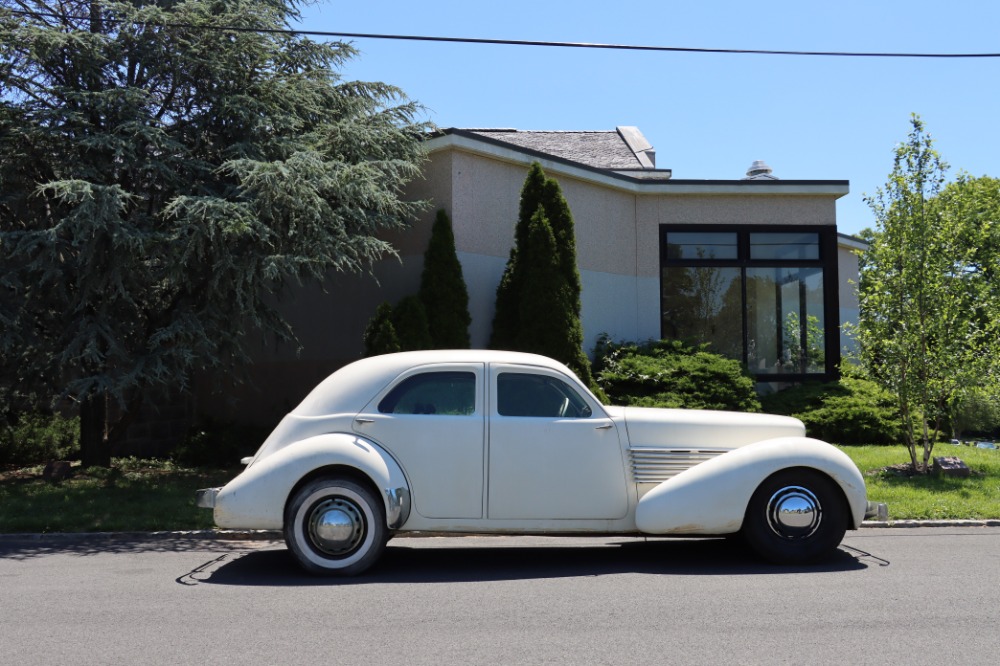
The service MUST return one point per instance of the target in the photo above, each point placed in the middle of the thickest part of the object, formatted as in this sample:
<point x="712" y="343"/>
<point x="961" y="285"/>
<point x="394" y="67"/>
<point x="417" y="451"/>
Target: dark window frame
<point x="827" y="261"/>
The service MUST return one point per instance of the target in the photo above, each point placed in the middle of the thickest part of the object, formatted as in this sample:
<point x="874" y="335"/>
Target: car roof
<point x="350" y="388"/>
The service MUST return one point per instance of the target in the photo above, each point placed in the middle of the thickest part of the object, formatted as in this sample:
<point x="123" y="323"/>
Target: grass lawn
<point x="134" y="495"/>
<point x="147" y="495"/>
<point x="929" y="497"/>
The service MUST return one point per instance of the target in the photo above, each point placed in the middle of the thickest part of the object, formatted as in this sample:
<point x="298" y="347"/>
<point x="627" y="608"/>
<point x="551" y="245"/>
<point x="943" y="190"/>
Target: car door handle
<point x="606" y="426"/>
<point x="363" y="421"/>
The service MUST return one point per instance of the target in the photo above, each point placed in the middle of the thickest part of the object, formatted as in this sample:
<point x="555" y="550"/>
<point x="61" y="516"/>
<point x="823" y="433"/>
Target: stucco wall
<point x="617" y="233"/>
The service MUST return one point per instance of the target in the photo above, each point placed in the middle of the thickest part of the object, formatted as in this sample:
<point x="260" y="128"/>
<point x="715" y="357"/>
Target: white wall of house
<point x="617" y="228"/>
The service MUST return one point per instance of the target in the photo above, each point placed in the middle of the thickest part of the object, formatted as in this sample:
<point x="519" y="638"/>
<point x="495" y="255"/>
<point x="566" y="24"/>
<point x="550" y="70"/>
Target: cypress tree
<point x="410" y="321"/>
<point x="538" y="300"/>
<point x="505" y="317"/>
<point x="443" y="291"/>
<point x="380" y="334"/>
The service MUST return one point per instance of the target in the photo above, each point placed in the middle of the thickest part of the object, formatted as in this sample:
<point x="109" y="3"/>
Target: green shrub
<point x="670" y="373"/>
<point x="851" y="411"/>
<point x="800" y="398"/>
<point x="380" y="334"/>
<point x="410" y="321"/>
<point x="214" y="444"/>
<point x="37" y="437"/>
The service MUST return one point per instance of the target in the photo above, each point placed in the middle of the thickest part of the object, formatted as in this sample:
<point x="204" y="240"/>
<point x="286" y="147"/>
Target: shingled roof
<point x="624" y="148"/>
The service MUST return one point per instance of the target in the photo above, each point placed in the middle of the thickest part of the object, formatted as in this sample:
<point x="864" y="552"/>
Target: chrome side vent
<point x="656" y="464"/>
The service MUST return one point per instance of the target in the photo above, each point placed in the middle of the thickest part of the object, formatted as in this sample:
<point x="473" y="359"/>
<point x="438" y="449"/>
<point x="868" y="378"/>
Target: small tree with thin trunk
<point x="921" y="330"/>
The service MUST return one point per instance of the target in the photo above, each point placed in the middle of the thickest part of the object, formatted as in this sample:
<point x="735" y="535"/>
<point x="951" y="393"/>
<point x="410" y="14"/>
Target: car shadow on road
<point x="405" y="563"/>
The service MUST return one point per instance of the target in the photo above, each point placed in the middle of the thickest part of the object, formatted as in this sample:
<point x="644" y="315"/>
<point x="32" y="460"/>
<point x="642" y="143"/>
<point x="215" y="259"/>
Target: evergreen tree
<point x="380" y="334"/>
<point x="505" y="317"/>
<point x="162" y="179"/>
<point x="410" y="321"/>
<point x="538" y="300"/>
<point x="443" y="291"/>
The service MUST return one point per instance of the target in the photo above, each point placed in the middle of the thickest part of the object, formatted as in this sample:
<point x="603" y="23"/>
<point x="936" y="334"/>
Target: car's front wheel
<point x="795" y="516"/>
<point x="335" y="526"/>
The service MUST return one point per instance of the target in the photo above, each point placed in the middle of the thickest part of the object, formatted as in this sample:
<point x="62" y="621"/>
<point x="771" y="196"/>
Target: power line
<point x="509" y="42"/>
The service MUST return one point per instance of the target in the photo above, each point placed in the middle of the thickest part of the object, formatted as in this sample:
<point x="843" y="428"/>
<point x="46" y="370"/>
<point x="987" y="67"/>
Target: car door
<point x="432" y="420"/>
<point x="553" y="452"/>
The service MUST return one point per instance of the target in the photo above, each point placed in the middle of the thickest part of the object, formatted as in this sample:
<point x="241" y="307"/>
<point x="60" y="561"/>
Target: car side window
<point x="449" y="393"/>
<point x="524" y="394"/>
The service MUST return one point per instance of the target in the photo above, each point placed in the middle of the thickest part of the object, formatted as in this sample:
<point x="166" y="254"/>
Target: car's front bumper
<point x="877" y="511"/>
<point x="205" y="498"/>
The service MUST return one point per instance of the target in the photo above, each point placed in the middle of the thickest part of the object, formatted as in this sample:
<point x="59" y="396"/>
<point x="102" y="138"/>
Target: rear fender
<point x="256" y="498"/>
<point x="712" y="497"/>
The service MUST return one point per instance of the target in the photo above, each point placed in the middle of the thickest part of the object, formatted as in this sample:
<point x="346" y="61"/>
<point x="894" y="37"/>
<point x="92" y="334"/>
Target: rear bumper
<point x="205" y="498"/>
<point x="877" y="511"/>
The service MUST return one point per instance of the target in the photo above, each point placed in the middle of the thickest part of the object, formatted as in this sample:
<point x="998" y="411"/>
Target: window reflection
<point x="701" y="245"/>
<point x="703" y="304"/>
<point x="784" y="246"/>
<point x="523" y="394"/>
<point x="785" y="324"/>
<point x="754" y="295"/>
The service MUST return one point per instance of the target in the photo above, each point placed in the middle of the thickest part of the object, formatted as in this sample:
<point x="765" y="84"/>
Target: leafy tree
<point x="380" y="334"/>
<point x="922" y="331"/>
<point x="442" y="289"/>
<point x="538" y="299"/>
<point x="163" y="178"/>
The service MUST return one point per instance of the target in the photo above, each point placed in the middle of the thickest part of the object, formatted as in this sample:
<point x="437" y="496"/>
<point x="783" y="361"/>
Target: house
<point x="753" y="265"/>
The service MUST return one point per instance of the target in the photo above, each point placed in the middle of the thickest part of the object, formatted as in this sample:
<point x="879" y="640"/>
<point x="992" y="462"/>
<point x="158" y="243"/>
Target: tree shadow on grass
<point x="407" y="561"/>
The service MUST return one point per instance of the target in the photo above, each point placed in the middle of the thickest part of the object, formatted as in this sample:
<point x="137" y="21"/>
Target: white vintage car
<point x="508" y="443"/>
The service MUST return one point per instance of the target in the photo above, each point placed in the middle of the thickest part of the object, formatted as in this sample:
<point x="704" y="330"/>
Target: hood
<point x="703" y="429"/>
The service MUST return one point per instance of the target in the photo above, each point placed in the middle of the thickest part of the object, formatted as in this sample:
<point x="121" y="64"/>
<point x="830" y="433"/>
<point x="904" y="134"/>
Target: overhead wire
<point x="512" y="42"/>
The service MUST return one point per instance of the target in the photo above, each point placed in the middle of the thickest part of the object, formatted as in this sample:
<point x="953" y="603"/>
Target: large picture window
<point x="763" y="295"/>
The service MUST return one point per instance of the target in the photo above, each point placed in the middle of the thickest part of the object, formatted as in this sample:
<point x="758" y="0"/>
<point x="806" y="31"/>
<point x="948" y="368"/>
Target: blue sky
<point x="708" y="116"/>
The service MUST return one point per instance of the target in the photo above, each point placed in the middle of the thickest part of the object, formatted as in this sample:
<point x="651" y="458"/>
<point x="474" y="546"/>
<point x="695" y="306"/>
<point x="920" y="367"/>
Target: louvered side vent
<point x="653" y="465"/>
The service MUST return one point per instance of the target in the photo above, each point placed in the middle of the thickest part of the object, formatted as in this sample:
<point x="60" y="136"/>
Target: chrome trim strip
<point x="398" y="500"/>
<point x="657" y="464"/>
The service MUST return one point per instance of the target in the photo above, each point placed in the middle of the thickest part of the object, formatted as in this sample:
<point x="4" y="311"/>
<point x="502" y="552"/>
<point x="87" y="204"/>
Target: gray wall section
<point x="482" y="275"/>
<point x="624" y="307"/>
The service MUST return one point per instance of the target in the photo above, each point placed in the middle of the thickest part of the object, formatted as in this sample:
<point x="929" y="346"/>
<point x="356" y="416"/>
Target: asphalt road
<point x="890" y="596"/>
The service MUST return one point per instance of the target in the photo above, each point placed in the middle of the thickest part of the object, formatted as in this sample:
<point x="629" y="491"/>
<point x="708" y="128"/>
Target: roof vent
<point x="759" y="171"/>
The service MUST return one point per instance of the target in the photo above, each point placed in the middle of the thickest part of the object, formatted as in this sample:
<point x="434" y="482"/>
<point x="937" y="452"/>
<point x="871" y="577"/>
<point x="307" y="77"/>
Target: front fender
<point x="712" y="497"/>
<point x="256" y="498"/>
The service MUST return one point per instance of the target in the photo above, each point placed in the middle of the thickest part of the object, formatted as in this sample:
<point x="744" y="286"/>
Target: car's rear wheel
<point x="795" y="516"/>
<point x="335" y="526"/>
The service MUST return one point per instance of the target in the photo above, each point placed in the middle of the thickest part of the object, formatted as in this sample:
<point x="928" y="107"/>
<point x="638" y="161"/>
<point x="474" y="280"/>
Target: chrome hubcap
<point x="794" y="513"/>
<point x="336" y="526"/>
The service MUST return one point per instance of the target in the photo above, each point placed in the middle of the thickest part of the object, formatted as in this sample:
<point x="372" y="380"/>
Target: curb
<point x="276" y="535"/>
